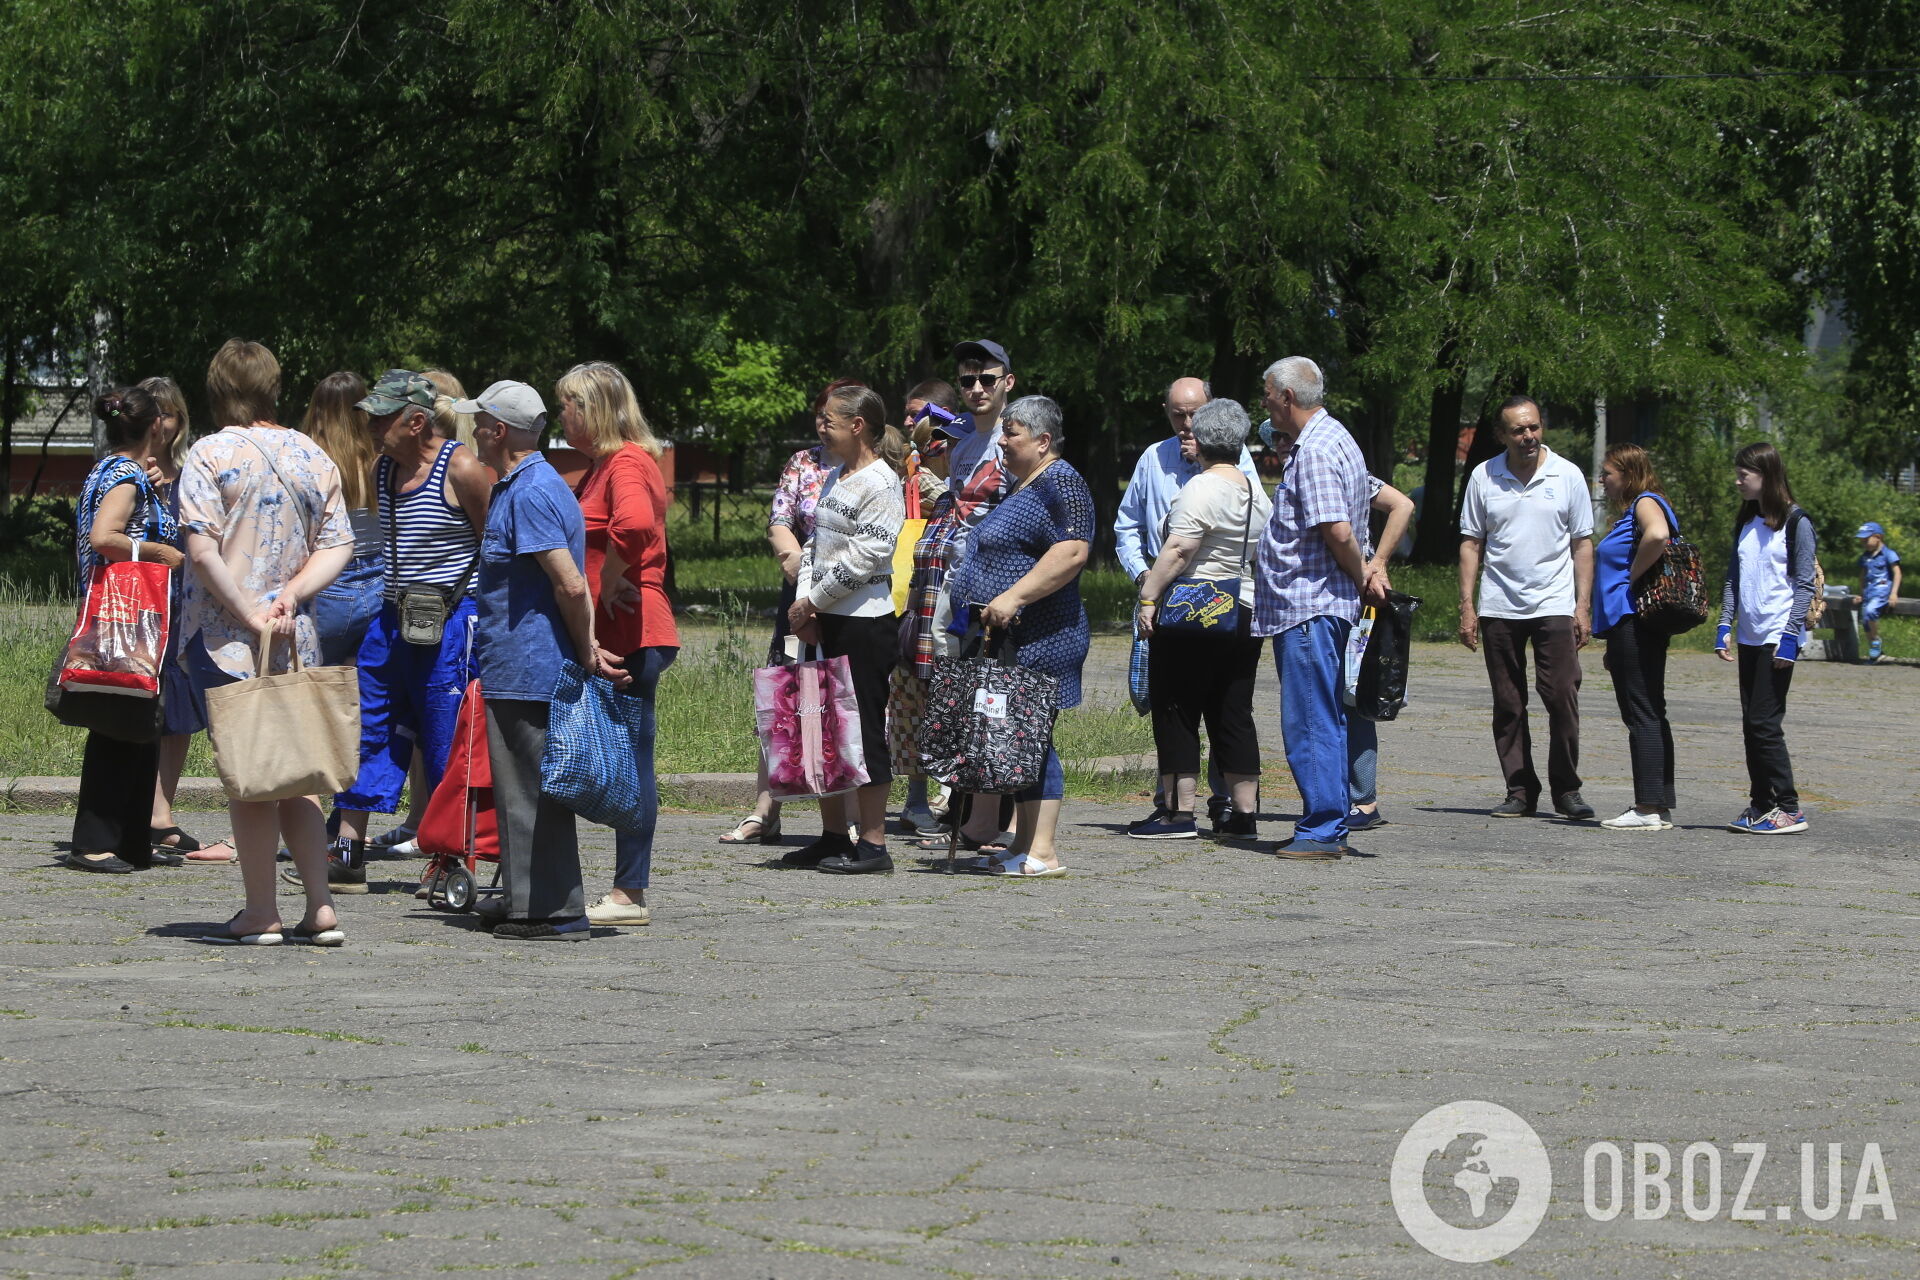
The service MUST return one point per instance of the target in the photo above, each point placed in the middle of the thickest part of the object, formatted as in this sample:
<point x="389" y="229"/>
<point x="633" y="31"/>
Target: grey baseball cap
<point x="514" y="403"/>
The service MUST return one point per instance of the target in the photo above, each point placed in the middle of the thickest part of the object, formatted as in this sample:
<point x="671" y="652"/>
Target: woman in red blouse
<point x="624" y="501"/>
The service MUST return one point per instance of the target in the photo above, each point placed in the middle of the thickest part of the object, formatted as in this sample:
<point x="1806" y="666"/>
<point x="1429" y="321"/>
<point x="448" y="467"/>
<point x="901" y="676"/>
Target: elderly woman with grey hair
<point x="1205" y="669"/>
<point x="1021" y="575"/>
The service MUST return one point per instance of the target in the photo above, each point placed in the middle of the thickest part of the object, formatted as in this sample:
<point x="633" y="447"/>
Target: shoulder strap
<point x="1246" y="528"/>
<point x="299" y="508"/>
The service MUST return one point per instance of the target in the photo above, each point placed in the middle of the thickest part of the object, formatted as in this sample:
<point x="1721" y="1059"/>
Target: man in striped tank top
<point x="432" y="504"/>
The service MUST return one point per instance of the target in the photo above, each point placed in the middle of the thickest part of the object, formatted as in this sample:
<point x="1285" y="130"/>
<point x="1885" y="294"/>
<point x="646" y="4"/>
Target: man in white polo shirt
<point x="1527" y="520"/>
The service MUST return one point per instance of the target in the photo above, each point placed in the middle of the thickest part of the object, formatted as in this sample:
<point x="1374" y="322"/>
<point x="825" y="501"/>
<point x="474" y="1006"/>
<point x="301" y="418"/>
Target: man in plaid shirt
<point x="1308" y="583"/>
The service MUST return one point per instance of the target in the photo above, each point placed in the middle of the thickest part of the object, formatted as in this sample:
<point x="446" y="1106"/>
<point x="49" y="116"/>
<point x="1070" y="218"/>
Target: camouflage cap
<point x="396" y="389"/>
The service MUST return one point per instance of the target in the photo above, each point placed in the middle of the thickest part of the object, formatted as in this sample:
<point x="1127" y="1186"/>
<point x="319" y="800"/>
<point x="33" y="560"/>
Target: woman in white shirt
<point x="843" y="602"/>
<point x="1764" y="612"/>
<point x="1206" y="673"/>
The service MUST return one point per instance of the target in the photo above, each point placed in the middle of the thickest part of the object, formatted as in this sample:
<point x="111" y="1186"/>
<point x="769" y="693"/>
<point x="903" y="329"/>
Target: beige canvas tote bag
<point x="294" y="734"/>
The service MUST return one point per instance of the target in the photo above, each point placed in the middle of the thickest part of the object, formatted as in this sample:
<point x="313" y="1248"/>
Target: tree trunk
<point x="9" y="410"/>
<point x="1438" y="540"/>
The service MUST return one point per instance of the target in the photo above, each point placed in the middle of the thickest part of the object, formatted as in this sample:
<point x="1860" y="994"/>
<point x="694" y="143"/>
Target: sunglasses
<point x="968" y="381"/>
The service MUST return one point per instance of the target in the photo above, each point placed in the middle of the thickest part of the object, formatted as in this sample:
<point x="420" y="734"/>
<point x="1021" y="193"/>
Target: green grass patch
<point x="270" y="1031"/>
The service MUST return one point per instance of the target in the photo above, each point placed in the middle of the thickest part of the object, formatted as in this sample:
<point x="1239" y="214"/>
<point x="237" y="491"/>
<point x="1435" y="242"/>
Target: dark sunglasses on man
<point x="968" y="381"/>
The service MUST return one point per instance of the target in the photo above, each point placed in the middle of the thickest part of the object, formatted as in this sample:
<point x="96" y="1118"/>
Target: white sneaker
<point x="1634" y="820"/>
<point x="607" y="911"/>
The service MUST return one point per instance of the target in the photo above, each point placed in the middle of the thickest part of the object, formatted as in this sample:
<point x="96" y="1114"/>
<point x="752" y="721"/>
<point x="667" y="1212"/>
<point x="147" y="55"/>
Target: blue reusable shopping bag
<point x="594" y="737"/>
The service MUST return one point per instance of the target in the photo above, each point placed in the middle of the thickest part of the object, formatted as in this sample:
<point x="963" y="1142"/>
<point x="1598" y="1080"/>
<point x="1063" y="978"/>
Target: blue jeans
<point x="408" y="693"/>
<point x="346" y="607"/>
<point x="633" y="849"/>
<point x="1052" y="784"/>
<point x="1363" y="758"/>
<point x="1313" y="723"/>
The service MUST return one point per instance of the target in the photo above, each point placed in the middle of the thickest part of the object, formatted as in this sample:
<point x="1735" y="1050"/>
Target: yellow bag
<point x="911" y="531"/>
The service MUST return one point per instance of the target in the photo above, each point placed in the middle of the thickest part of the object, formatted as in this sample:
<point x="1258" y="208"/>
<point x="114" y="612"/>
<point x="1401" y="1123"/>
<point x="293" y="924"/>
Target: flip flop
<point x="305" y="934"/>
<point x="227" y="937"/>
<point x="220" y="851"/>
<point x="764" y="832"/>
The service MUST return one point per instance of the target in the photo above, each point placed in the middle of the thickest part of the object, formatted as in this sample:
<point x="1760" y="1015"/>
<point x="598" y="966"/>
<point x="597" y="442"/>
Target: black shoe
<point x="831" y="845"/>
<point x="1237" y="826"/>
<point x="863" y="859"/>
<point x="341" y="878"/>
<point x="1516" y="807"/>
<point x="1219" y="809"/>
<point x="1159" y="815"/>
<point x="111" y="865"/>
<point x="157" y="858"/>
<point x="558" y="929"/>
<point x="1572" y="806"/>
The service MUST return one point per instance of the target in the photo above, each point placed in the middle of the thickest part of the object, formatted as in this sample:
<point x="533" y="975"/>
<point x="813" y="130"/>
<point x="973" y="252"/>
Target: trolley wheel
<point x="458" y="889"/>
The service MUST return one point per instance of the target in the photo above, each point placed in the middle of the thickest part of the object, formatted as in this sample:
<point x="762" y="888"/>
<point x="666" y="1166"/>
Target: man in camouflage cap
<point x="429" y="509"/>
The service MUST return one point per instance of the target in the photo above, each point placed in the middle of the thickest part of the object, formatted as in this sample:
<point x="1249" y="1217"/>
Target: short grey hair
<point x="1302" y="377"/>
<point x="1039" y="415"/>
<point x="1220" y="430"/>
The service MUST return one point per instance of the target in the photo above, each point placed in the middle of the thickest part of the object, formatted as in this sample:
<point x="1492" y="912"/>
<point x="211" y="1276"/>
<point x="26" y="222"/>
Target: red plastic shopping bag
<point x="461" y="807"/>
<point x="810" y="729"/>
<point x="120" y="638"/>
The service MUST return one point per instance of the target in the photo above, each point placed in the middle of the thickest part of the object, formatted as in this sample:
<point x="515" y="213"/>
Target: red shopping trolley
<point x="459" y="831"/>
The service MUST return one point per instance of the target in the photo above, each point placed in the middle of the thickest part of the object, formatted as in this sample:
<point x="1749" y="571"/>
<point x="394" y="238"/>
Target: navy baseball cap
<point x="1871" y="527"/>
<point x="986" y="351"/>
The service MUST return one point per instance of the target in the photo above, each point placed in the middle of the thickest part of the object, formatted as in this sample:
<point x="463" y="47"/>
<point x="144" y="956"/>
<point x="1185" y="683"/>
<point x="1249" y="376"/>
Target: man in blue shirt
<point x="1161" y="472"/>
<point x="1880" y="564"/>
<point x="1309" y="579"/>
<point x="534" y="612"/>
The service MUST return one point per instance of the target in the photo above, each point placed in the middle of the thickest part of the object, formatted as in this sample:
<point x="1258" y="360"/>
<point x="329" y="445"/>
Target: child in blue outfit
<point x="1880" y="565"/>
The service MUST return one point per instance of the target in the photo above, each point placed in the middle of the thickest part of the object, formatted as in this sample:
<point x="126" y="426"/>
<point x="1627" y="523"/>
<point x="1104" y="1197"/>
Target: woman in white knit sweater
<point x="844" y="603"/>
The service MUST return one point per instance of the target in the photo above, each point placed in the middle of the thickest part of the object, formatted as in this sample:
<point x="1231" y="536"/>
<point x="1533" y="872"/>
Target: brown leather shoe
<point x="1310" y="850"/>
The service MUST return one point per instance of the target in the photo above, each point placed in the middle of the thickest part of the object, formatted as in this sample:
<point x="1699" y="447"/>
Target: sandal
<point x="938" y="844"/>
<point x="305" y="933"/>
<point x="1024" y="867"/>
<point x="227" y="937"/>
<point x="219" y="852"/>
<point x="762" y="832"/>
<point x="180" y="842"/>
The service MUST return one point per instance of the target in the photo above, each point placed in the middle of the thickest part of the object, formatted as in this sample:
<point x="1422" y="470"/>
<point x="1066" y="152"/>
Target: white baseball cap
<point x="514" y="403"/>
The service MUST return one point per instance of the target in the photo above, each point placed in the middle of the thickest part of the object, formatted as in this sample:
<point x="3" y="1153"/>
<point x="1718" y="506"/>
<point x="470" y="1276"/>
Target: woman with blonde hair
<point x="623" y="498"/>
<point x="449" y="423"/>
<point x="344" y="609"/>
<point x="181" y="714"/>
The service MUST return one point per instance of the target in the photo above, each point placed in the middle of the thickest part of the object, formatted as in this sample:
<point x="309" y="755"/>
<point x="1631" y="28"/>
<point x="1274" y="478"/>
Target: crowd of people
<point x="424" y="537"/>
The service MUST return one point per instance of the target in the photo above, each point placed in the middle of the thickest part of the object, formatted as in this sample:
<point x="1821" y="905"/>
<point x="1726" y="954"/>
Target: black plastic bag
<point x="1381" y="689"/>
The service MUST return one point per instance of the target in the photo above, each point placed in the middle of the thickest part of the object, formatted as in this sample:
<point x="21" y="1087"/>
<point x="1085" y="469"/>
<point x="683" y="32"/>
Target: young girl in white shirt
<point x="1763" y="618"/>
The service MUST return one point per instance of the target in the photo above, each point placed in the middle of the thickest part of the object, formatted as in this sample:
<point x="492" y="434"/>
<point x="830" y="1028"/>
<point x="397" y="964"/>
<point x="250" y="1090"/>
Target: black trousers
<point x="1763" y="709"/>
<point x="1556" y="676"/>
<point x="871" y="647"/>
<point x="1637" y="659"/>
<point x="115" y="811"/>
<point x="1195" y="678"/>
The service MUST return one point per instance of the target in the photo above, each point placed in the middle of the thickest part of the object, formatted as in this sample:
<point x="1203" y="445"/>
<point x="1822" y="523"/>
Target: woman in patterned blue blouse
<point x="1021" y="574"/>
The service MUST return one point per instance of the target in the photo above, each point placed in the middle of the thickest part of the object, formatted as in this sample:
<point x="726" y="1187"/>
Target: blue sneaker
<point x="1159" y="816"/>
<point x="1166" y="828"/>
<point x="1359" y="819"/>
<point x="1744" y="823"/>
<point x="1779" y="822"/>
<point x="1873" y="651"/>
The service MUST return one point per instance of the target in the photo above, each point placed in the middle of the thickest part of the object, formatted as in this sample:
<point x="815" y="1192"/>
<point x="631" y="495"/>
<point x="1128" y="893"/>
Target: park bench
<point x="1842" y="618"/>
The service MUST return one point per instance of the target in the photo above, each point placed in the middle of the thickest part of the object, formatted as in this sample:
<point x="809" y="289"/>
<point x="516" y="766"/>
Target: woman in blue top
<point x="120" y="517"/>
<point x="1636" y="652"/>
<point x="1022" y="575"/>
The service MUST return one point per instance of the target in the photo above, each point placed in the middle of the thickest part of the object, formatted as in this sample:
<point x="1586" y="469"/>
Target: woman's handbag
<point x="906" y="711"/>
<point x="1381" y="689"/>
<point x="294" y="734"/>
<point x="1671" y="596"/>
<point x="120" y="639"/>
<point x="591" y="764"/>
<point x="988" y="724"/>
<point x="1207" y="606"/>
<point x="810" y="725"/>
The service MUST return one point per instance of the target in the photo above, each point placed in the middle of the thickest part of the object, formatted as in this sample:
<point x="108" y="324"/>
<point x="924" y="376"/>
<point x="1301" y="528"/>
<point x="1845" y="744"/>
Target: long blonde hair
<point x="166" y="392"/>
<point x="341" y="429"/>
<point x="611" y="410"/>
<point x="447" y="424"/>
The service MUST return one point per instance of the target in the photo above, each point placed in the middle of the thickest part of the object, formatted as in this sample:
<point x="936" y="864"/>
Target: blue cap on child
<point x="1871" y="528"/>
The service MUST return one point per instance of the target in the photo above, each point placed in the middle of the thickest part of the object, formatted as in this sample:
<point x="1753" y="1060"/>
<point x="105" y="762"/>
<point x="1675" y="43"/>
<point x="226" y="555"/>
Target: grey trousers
<point x="539" y="848"/>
